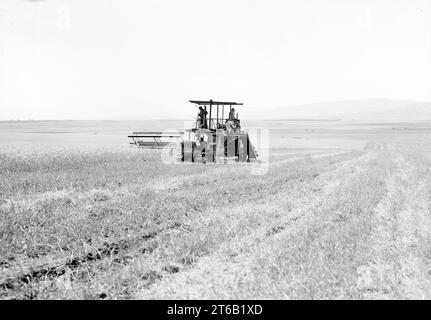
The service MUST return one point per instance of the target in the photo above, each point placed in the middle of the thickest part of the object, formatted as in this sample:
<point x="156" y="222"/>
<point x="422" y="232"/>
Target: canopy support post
<point x="211" y="107"/>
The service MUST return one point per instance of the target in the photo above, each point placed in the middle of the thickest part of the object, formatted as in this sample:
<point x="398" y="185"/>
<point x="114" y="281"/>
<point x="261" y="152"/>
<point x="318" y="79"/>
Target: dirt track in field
<point x="398" y="261"/>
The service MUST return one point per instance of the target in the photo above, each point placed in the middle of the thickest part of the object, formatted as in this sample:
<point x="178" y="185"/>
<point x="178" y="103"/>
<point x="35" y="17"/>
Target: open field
<point x="344" y="212"/>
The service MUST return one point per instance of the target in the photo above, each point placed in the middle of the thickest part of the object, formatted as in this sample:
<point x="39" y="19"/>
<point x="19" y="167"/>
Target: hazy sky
<point x="63" y="59"/>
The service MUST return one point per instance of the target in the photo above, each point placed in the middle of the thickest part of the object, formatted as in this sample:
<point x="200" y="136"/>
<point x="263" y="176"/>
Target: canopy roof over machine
<point x="215" y="103"/>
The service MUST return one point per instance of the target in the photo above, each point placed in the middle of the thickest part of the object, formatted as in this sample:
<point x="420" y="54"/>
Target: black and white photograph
<point x="203" y="150"/>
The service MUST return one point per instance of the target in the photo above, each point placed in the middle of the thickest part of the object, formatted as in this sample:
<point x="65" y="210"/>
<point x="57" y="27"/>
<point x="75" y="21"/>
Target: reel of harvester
<point x="213" y="138"/>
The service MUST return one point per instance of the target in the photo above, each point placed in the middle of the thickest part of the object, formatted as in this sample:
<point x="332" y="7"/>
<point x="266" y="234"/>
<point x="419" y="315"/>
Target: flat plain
<point x="343" y="212"/>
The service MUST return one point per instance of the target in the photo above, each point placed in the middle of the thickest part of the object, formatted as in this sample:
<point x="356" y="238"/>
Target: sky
<point x="107" y="59"/>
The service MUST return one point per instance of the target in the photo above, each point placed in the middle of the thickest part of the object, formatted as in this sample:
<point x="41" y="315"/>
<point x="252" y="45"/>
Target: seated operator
<point x="232" y="124"/>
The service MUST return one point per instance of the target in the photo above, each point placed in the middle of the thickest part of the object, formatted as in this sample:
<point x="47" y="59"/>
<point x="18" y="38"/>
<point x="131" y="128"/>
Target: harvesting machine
<point x="212" y="138"/>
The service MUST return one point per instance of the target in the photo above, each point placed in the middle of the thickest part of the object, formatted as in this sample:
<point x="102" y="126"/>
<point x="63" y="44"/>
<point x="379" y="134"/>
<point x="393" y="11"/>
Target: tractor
<point x="212" y="138"/>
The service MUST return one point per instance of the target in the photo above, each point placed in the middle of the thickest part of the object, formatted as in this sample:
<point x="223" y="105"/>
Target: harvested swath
<point x="108" y="249"/>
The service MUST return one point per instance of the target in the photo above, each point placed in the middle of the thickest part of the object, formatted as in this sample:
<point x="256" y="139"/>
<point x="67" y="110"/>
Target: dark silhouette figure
<point x="202" y="117"/>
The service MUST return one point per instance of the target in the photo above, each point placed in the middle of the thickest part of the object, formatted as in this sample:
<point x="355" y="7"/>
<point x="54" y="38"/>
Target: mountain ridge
<point x="360" y="109"/>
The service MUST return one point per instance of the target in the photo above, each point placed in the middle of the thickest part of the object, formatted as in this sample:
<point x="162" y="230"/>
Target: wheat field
<point x="120" y="224"/>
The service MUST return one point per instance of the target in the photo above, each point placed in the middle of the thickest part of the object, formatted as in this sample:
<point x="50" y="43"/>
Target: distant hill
<point x="411" y="112"/>
<point x="367" y="109"/>
<point x="361" y="110"/>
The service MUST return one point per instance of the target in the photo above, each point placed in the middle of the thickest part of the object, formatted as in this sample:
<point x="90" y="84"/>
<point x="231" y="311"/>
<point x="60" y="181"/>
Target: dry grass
<point x="123" y="225"/>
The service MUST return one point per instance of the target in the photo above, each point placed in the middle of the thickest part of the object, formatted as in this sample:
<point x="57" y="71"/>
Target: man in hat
<point x="202" y="117"/>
